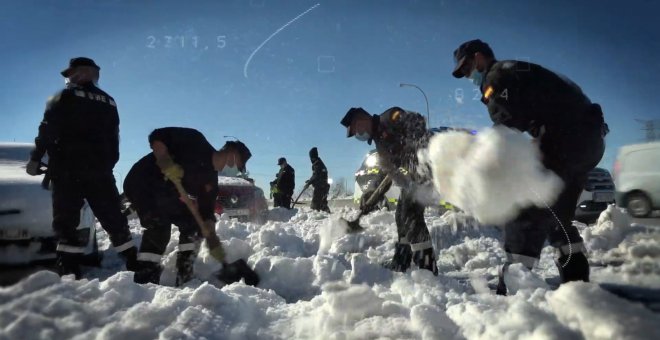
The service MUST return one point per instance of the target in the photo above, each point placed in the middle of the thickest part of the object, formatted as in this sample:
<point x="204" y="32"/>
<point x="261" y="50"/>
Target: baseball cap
<point x="467" y="50"/>
<point x="78" y="61"/>
<point x="281" y="161"/>
<point x="348" y="118"/>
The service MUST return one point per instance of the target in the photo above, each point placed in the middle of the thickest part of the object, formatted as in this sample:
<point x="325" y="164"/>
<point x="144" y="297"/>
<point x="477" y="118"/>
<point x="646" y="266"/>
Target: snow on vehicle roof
<point x="235" y="181"/>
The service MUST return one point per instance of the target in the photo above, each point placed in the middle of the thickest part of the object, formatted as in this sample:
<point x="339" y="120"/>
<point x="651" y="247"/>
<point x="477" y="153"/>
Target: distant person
<point x="178" y="154"/>
<point x="569" y="130"/>
<point x="283" y="185"/>
<point x="319" y="181"/>
<point x="398" y="135"/>
<point x="80" y="133"/>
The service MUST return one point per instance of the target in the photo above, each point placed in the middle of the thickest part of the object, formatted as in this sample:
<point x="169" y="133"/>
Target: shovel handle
<point x="212" y="240"/>
<point x="300" y="194"/>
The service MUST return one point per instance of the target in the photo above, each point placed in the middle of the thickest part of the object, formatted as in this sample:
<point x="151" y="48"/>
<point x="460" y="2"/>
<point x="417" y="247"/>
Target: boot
<point x="68" y="263"/>
<point x="576" y="269"/>
<point x="425" y="259"/>
<point x="401" y="260"/>
<point x="501" y="286"/>
<point x="130" y="258"/>
<point x="147" y="272"/>
<point x="184" y="266"/>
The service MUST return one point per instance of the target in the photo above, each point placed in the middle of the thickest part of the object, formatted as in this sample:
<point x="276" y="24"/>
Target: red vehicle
<point x="240" y="198"/>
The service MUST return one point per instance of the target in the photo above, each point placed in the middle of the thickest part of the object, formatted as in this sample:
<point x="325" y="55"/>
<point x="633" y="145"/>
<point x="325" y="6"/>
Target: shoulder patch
<point x="395" y="116"/>
<point x="489" y="92"/>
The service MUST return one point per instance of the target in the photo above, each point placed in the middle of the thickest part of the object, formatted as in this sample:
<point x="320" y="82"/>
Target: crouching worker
<point x="179" y="154"/>
<point x="398" y="135"/>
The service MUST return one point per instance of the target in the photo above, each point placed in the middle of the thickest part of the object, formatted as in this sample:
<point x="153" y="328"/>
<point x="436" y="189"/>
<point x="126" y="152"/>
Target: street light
<point x="428" y="116"/>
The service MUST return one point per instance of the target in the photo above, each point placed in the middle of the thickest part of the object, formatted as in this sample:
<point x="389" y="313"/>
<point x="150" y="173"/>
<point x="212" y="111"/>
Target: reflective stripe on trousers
<point x="149" y="257"/>
<point x="125" y="246"/>
<point x="70" y="249"/>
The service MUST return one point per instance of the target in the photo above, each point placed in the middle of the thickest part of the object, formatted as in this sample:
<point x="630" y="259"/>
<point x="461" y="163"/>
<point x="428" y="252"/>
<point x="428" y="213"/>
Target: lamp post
<point x="428" y="115"/>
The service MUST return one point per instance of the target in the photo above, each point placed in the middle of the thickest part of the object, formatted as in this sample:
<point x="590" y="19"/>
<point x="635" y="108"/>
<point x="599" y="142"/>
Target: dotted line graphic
<point x="570" y="246"/>
<point x="247" y="63"/>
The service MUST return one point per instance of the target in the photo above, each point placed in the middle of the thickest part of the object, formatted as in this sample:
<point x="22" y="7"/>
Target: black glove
<point x="363" y="202"/>
<point x="32" y="168"/>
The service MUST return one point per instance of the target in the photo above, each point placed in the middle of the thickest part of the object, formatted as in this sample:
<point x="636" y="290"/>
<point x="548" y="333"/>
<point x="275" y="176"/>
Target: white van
<point x="637" y="178"/>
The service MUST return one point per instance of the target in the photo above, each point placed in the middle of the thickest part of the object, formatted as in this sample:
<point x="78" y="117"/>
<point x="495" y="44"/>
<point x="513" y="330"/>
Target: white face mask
<point x="230" y="171"/>
<point x="363" y="137"/>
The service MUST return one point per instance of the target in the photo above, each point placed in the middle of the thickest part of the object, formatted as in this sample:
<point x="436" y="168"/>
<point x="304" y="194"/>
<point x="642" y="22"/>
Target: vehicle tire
<point x="638" y="205"/>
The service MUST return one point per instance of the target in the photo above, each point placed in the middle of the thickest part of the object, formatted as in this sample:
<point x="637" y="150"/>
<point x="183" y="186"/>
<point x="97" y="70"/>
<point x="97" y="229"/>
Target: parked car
<point x="598" y="193"/>
<point x="26" y="234"/>
<point x="637" y="178"/>
<point x="240" y="198"/>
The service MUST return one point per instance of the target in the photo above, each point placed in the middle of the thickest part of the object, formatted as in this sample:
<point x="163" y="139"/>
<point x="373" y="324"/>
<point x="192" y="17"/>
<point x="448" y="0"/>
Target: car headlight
<point x="372" y="160"/>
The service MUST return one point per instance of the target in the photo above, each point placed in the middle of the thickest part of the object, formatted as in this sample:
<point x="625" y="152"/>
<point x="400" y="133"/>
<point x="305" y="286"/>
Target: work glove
<point x="32" y="168"/>
<point x="366" y="209"/>
<point x="218" y="253"/>
<point x="274" y="190"/>
<point x="173" y="172"/>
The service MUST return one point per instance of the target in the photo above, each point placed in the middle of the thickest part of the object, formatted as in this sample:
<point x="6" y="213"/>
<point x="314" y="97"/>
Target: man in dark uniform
<point x="179" y="154"/>
<point x="398" y="135"/>
<point x="569" y="130"/>
<point x="319" y="180"/>
<point x="283" y="185"/>
<point x="80" y="132"/>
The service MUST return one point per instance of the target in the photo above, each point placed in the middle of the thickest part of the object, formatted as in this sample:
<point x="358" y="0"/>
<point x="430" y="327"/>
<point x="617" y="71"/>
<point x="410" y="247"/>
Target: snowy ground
<point x="320" y="284"/>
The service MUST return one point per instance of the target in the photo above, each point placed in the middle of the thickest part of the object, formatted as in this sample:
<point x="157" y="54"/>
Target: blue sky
<point x="340" y="54"/>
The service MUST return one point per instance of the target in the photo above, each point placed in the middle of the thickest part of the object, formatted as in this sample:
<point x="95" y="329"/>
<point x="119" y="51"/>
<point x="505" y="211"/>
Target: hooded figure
<point x="319" y="181"/>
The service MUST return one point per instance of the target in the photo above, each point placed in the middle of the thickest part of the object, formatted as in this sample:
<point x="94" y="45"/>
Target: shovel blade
<point x="353" y="226"/>
<point x="237" y="270"/>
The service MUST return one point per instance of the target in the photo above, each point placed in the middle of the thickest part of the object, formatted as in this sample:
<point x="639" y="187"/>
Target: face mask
<point x="476" y="77"/>
<point x="230" y="171"/>
<point x="362" y="137"/>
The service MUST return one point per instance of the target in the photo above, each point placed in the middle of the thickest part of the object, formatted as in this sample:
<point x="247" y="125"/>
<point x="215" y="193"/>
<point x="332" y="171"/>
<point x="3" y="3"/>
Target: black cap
<point x="313" y="153"/>
<point x="79" y="61"/>
<point x="348" y="118"/>
<point x="281" y="161"/>
<point x="242" y="150"/>
<point x="466" y="51"/>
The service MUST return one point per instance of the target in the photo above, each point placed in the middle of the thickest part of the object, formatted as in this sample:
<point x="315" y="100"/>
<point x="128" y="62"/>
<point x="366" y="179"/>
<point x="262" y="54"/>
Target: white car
<point x="26" y="214"/>
<point x="637" y="178"/>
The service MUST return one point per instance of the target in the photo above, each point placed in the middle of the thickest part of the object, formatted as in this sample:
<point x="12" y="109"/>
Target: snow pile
<point x="332" y="287"/>
<point x="611" y="228"/>
<point x="598" y="314"/>
<point x="491" y="176"/>
<point x="630" y="252"/>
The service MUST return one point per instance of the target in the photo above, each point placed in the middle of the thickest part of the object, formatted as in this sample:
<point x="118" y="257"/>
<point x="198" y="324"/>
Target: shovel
<point x="300" y="194"/>
<point x="230" y="272"/>
<point x="354" y="226"/>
